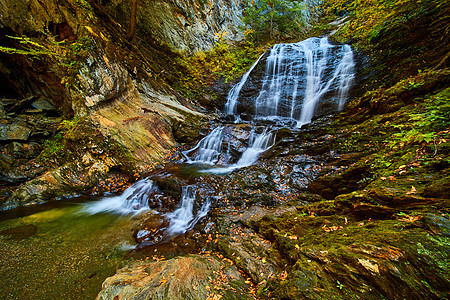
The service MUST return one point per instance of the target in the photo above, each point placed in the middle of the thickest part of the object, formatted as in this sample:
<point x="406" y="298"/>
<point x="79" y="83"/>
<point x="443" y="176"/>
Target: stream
<point x="70" y="248"/>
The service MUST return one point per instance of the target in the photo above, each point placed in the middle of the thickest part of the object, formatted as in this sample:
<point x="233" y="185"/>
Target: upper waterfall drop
<point x="296" y="78"/>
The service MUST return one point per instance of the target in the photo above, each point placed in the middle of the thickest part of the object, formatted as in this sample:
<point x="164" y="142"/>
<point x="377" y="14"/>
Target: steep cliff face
<point x="188" y="26"/>
<point x="72" y="58"/>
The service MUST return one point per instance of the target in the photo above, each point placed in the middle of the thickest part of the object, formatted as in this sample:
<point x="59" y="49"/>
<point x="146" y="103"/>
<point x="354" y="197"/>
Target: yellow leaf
<point x="412" y="191"/>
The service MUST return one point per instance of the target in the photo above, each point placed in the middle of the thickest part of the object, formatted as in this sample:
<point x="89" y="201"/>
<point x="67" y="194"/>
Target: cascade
<point x="296" y="77"/>
<point x="233" y="94"/>
<point x="258" y="143"/>
<point x="208" y="149"/>
<point x="132" y="201"/>
<point x="183" y="219"/>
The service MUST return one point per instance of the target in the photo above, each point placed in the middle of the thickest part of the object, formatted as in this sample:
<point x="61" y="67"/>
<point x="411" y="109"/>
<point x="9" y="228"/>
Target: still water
<point x="60" y="252"/>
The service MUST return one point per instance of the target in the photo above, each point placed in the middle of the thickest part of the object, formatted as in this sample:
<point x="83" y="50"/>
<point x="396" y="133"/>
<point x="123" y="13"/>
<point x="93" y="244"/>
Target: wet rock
<point x="438" y="189"/>
<point x="188" y="130"/>
<point x="369" y="211"/>
<point x="151" y="230"/>
<point x="42" y="106"/>
<point x="193" y="27"/>
<point x="188" y="277"/>
<point x="19" y="106"/>
<point x="23" y="150"/>
<point x="437" y="224"/>
<point x="341" y="257"/>
<point x="69" y="180"/>
<point x="250" y="253"/>
<point x="19" y="233"/>
<point x="171" y="186"/>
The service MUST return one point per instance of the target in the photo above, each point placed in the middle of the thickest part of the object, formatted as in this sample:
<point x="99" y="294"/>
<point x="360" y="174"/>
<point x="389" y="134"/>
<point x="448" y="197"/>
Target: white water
<point x="135" y="200"/>
<point x="347" y="75"/>
<point x="208" y="149"/>
<point x="132" y="201"/>
<point x="297" y="76"/>
<point x="183" y="219"/>
<point x="258" y="144"/>
<point x="233" y="94"/>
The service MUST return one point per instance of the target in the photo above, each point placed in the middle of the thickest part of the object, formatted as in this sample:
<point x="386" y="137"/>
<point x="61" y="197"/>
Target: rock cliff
<point x="188" y="26"/>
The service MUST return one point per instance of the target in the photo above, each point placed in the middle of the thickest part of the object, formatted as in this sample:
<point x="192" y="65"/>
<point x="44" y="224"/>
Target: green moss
<point x="78" y="136"/>
<point x="324" y="254"/>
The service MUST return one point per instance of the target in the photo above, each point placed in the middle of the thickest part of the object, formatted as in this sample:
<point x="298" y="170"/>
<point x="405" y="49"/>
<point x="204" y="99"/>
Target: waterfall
<point x="183" y="219"/>
<point x="347" y="75"/>
<point x="258" y="143"/>
<point x="208" y="149"/>
<point x="233" y="94"/>
<point x="297" y="76"/>
<point x="132" y="201"/>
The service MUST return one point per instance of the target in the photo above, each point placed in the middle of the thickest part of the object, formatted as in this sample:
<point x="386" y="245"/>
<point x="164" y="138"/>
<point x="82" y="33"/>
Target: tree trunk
<point x="132" y="28"/>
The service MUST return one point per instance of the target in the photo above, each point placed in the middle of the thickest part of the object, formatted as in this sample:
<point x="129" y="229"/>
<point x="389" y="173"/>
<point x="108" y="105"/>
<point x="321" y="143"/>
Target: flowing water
<point x="183" y="218"/>
<point x="65" y="253"/>
<point x="297" y="77"/>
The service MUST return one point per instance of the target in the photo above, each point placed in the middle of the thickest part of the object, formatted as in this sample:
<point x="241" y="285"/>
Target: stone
<point x="189" y="277"/>
<point x="17" y="131"/>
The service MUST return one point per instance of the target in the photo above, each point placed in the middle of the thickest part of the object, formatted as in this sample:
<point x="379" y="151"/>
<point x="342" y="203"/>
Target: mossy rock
<point x="339" y="183"/>
<point x="438" y="189"/>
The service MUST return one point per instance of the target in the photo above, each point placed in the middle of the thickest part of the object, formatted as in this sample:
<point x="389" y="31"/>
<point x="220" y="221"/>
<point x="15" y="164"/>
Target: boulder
<point x="189" y="277"/>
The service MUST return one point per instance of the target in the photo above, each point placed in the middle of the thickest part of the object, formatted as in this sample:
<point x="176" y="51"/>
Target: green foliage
<point x="370" y="18"/>
<point x="423" y="123"/>
<point x="67" y="55"/>
<point x="30" y="48"/>
<point x="402" y="35"/>
<point x="272" y="18"/>
<point x="222" y="61"/>
<point x="84" y="8"/>
<point x="55" y="147"/>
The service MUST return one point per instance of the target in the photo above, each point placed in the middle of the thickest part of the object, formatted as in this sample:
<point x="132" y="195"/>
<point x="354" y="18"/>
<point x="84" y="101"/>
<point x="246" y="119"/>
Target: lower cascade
<point x="296" y="78"/>
<point x="183" y="218"/>
<point x="132" y="201"/>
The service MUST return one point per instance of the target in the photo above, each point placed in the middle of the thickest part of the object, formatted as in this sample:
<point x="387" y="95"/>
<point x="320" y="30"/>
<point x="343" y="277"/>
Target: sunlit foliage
<point x="273" y="18"/>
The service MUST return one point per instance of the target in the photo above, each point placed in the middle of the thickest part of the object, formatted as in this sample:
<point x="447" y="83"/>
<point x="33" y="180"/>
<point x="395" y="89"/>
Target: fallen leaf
<point x="412" y="191"/>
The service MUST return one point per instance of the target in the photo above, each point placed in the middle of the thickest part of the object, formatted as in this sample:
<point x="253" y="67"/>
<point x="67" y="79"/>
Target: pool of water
<point x="60" y="252"/>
